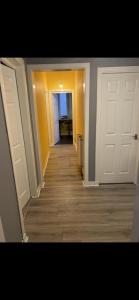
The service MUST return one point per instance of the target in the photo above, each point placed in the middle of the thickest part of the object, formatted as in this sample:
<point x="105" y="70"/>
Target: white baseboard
<point x="38" y="192"/>
<point x="46" y="162"/>
<point x="90" y="183"/>
<point x="25" y="238"/>
<point x="75" y="146"/>
<point x="42" y="185"/>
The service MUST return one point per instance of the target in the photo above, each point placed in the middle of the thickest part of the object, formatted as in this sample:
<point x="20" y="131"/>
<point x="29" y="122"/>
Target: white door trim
<point x="73" y="66"/>
<point x="19" y="66"/>
<point x="64" y="91"/>
<point x="100" y="72"/>
<point x="55" y="117"/>
<point x="48" y="109"/>
<point x="7" y="122"/>
<point x="109" y="70"/>
<point x="35" y="131"/>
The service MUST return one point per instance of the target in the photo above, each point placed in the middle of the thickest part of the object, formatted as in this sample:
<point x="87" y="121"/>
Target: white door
<point x="119" y="117"/>
<point x="15" y="133"/>
<point x="56" y="119"/>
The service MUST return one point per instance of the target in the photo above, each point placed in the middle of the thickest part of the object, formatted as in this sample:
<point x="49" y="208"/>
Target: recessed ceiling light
<point x="61" y="86"/>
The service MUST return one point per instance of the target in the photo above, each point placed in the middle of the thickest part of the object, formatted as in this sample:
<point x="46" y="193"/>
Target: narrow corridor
<point x="68" y="212"/>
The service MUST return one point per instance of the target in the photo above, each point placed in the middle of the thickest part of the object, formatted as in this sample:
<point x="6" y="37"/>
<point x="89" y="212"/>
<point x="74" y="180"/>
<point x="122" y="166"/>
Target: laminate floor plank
<point x="66" y="211"/>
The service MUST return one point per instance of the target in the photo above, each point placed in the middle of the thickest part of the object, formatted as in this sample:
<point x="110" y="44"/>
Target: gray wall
<point x="94" y="64"/>
<point x="9" y="211"/>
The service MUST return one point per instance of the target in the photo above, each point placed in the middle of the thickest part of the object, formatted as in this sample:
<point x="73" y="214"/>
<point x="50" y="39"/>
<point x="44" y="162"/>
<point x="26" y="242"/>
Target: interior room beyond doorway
<point x="63" y="127"/>
<point x="59" y="110"/>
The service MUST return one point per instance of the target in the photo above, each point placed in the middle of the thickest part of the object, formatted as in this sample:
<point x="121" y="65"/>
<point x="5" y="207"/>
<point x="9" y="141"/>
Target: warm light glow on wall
<point x="34" y="86"/>
<point x="61" y="86"/>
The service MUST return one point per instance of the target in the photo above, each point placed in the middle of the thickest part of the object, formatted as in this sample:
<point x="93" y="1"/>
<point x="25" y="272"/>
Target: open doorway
<point x="62" y="79"/>
<point x="62" y="114"/>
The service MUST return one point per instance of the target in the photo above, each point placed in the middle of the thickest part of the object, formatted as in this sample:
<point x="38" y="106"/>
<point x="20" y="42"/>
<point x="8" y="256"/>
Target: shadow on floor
<point x="65" y="140"/>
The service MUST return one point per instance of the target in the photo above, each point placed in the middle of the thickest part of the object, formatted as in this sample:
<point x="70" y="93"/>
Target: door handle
<point x="135" y="136"/>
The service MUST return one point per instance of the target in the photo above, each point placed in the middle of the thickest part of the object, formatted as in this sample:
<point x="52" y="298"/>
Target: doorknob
<point x="135" y="136"/>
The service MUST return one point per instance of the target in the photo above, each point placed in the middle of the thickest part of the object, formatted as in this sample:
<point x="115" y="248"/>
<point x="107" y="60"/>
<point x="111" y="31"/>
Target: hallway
<point x="68" y="212"/>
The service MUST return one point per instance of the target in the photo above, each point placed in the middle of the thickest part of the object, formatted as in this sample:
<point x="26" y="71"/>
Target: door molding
<point x="61" y="66"/>
<point x="19" y="66"/>
<point x="54" y="116"/>
<point x="100" y="73"/>
<point x="7" y="122"/>
<point x="50" y="99"/>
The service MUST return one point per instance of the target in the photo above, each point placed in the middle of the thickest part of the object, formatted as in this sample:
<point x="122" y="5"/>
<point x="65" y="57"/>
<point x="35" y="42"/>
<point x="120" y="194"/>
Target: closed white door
<point x="119" y="117"/>
<point x="15" y="133"/>
<point x="56" y="119"/>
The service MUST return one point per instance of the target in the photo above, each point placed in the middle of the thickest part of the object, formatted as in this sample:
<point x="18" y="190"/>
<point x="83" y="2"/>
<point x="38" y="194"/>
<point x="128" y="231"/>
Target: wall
<point x="94" y="64"/>
<point x="79" y="102"/>
<point x="40" y="83"/>
<point x="9" y="211"/>
<point x="67" y="78"/>
<point x="71" y="80"/>
<point x="64" y="77"/>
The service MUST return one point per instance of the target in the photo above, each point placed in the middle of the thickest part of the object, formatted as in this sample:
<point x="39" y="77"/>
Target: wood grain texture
<point x="66" y="211"/>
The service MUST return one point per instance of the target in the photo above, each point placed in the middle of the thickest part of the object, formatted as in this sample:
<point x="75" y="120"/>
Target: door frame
<point x="62" y="66"/>
<point x="70" y="91"/>
<point x="18" y="65"/>
<point x="100" y="73"/>
<point x="52" y="118"/>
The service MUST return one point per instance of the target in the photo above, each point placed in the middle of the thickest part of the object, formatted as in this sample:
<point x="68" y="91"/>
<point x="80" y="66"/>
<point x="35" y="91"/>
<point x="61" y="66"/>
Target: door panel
<point x="110" y="117"/>
<point x="119" y="122"/>
<point x="14" y="126"/>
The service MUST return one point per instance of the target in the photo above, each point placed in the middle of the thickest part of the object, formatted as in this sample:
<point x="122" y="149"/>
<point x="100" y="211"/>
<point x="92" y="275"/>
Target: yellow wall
<point x="71" y="80"/>
<point x="64" y="77"/>
<point x="40" y="83"/>
<point x="49" y="81"/>
<point x="79" y="103"/>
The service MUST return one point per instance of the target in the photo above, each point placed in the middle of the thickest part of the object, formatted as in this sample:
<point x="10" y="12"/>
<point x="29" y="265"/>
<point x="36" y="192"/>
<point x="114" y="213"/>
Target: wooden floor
<point x="68" y="212"/>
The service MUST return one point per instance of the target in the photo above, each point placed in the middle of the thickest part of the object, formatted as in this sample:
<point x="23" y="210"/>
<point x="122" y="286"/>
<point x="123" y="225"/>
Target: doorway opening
<point x="62" y="111"/>
<point x="60" y="102"/>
